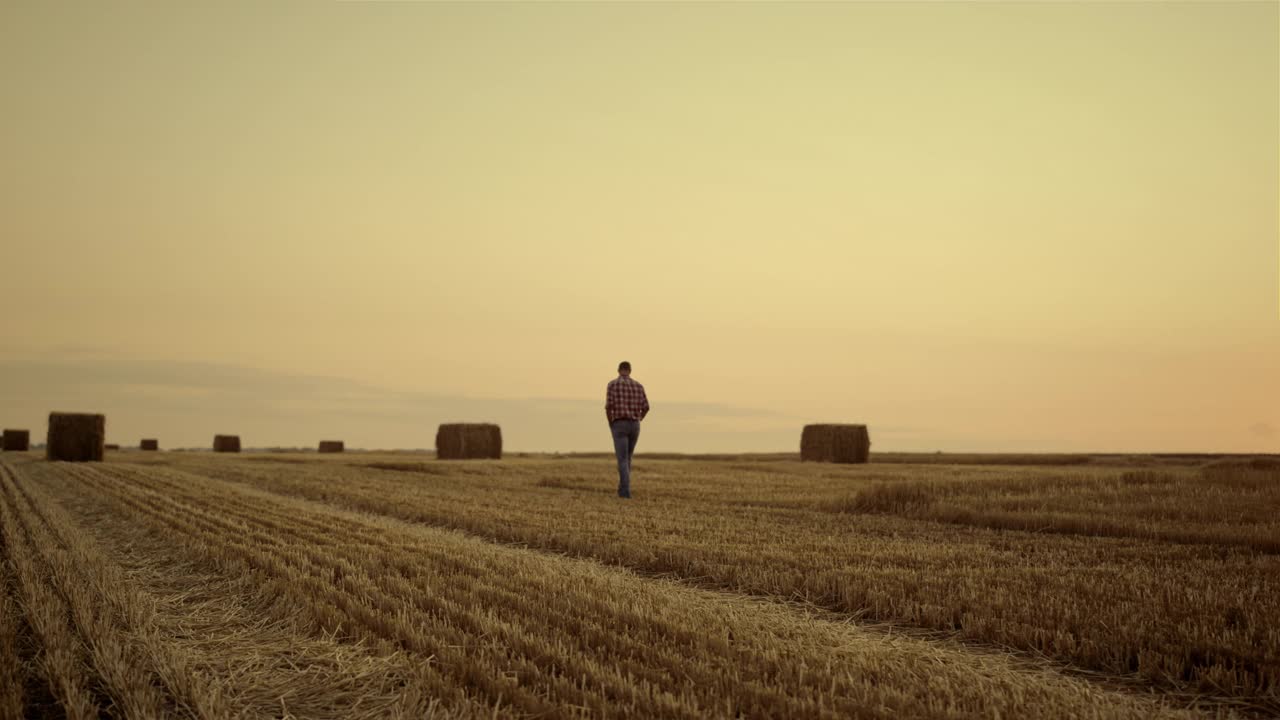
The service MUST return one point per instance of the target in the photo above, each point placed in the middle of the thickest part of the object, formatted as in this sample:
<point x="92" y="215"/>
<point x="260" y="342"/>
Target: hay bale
<point x="112" y="446"/>
<point x="76" y="437"/>
<point x="835" y="443"/>
<point x="149" y="445"/>
<point x="16" y="441"/>
<point x="226" y="443"/>
<point x="460" y="441"/>
<point x="332" y="446"/>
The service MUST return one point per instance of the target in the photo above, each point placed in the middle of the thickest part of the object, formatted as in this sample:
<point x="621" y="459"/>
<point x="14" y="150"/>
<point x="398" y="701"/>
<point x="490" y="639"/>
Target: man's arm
<point x="608" y="402"/>
<point x="645" y="407"/>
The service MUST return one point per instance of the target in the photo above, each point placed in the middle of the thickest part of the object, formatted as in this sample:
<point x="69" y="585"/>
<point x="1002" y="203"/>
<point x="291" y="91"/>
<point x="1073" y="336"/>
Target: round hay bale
<point x="332" y="446"/>
<point x="149" y="445"/>
<point x="16" y="441"/>
<point x="835" y="443"/>
<point x="76" y="437"/>
<point x="226" y="443"/>
<point x="465" y="441"/>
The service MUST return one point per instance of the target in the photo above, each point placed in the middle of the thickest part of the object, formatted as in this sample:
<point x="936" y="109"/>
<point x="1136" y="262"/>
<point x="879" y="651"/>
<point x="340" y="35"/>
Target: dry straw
<point x="16" y="441"/>
<point x="460" y="441"/>
<point x="149" y="445"/>
<point x="835" y="443"/>
<point x="76" y="437"/>
<point x="226" y="443"/>
<point x="332" y="446"/>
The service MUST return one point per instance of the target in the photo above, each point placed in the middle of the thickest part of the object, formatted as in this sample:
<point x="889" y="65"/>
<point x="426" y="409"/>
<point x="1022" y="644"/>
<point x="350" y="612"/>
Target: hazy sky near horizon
<point x="973" y="226"/>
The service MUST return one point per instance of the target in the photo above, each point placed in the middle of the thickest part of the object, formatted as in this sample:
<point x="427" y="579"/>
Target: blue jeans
<point x="625" y="435"/>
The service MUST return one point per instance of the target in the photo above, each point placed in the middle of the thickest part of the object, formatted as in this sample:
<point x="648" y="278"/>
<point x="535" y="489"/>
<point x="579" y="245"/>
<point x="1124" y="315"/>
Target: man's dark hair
<point x="624" y="365"/>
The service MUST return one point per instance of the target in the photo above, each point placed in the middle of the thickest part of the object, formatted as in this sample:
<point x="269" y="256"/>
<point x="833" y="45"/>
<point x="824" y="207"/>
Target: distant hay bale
<point x="16" y="441"/>
<point x="226" y="443"/>
<point x="332" y="446"/>
<point x="112" y="446"/>
<point x="149" y="445"/>
<point x="460" y="441"/>
<point x="835" y="443"/>
<point x="76" y="437"/>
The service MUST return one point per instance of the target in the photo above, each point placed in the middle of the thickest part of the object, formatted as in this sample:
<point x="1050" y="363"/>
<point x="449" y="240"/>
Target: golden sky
<point x="1005" y="226"/>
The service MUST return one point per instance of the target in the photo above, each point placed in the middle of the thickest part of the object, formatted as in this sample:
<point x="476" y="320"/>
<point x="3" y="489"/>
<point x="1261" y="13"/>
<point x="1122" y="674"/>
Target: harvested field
<point x="212" y="586"/>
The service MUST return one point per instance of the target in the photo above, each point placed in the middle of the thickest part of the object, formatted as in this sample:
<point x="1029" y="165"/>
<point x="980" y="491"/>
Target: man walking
<point x="625" y="405"/>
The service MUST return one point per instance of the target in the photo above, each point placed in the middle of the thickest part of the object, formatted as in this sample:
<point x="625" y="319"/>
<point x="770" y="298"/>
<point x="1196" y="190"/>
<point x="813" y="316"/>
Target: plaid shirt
<point x="625" y="400"/>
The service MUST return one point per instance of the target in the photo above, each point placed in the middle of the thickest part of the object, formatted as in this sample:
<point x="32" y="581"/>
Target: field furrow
<point x="1222" y="506"/>
<point x="196" y="652"/>
<point x="61" y="658"/>
<point x="12" y="673"/>
<point x="103" y="612"/>
<point x="335" y="607"/>
<point x="366" y="601"/>
<point x="1196" y="618"/>
<point x="563" y="637"/>
<point x="575" y="627"/>
<point x="461" y="608"/>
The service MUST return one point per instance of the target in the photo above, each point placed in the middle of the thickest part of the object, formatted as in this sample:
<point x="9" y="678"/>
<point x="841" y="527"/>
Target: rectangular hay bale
<point x="835" y="443"/>
<point x="463" y="441"/>
<point x="149" y="444"/>
<point x="16" y="441"/>
<point x="226" y="443"/>
<point x="332" y="446"/>
<point x="76" y="437"/>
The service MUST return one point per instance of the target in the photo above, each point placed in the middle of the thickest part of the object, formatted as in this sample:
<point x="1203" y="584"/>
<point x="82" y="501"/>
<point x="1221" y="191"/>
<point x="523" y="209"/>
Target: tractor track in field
<point x="179" y="481"/>
<point x="527" y="632"/>
<point x="364" y="495"/>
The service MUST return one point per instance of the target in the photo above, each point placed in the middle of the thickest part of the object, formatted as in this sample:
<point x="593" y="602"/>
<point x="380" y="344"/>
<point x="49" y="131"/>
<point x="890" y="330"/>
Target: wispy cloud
<point x="187" y="402"/>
